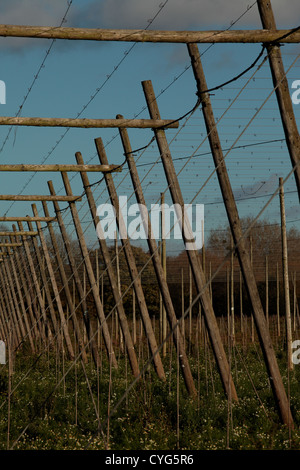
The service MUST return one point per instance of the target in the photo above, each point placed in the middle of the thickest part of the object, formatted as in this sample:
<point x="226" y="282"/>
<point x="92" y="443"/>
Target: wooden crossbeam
<point x="138" y="35"/>
<point x="20" y="197"/>
<point x="61" y="168"/>
<point x="87" y="123"/>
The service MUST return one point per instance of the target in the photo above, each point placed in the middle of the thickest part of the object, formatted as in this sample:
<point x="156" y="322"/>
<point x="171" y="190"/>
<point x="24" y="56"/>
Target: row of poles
<point x="50" y="325"/>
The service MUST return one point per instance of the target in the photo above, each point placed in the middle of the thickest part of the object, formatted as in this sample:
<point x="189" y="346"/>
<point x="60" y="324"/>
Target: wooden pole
<point x="239" y="241"/>
<point x="138" y="35"/>
<point x="156" y="260"/>
<point x="98" y="304"/>
<point x="288" y="321"/>
<point x="138" y="293"/>
<point x="87" y="123"/>
<point x="58" y="167"/>
<point x="109" y="267"/>
<point x="282" y="90"/>
<point x="193" y="257"/>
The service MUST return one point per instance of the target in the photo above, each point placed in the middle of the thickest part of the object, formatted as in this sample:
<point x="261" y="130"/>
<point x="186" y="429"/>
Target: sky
<point x="100" y="80"/>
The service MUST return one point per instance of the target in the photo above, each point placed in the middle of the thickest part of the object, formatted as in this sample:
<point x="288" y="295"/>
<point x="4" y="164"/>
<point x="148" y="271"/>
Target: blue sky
<point x="100" y="80"/>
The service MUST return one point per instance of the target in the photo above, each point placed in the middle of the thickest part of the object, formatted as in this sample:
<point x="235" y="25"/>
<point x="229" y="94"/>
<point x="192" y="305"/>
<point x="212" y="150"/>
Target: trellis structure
<point x="20" y="277"/>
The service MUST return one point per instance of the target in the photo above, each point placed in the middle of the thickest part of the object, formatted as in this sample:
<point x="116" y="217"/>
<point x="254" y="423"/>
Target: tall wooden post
<point x="282" y="90"/>
<point x="198" y="274"/>
<point x="133" y="271"/>
<point x="239" y="241"/>
<point x="285" y="273"/>
<point x="156" y="260"/>
<point x="118" y="300"/>
<point x="95" y="292"/>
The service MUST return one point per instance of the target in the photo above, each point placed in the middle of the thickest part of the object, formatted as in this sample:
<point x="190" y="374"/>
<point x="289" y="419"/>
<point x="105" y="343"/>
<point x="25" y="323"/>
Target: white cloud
<point x="179" y="14"/>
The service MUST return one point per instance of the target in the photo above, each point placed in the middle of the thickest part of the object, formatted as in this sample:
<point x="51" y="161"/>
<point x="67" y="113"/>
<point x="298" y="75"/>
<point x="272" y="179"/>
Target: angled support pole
<point x="119" y="306"/>
<point x="282" y="90"/>
<point x="163" y="286"/>
<point x="85" y="123"/>
<point x="58" y="167"/>
<point x="239" y="241"/>
<point x="193" y="257"/>
<point x="134" y="276"/>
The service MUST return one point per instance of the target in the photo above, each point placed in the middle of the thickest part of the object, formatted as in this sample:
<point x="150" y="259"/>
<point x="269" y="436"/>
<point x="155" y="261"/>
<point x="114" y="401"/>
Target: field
<point x="56" y="404"/>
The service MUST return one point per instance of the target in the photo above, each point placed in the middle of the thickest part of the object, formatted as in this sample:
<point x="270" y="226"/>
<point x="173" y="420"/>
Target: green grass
<point x="147" y="417"/>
